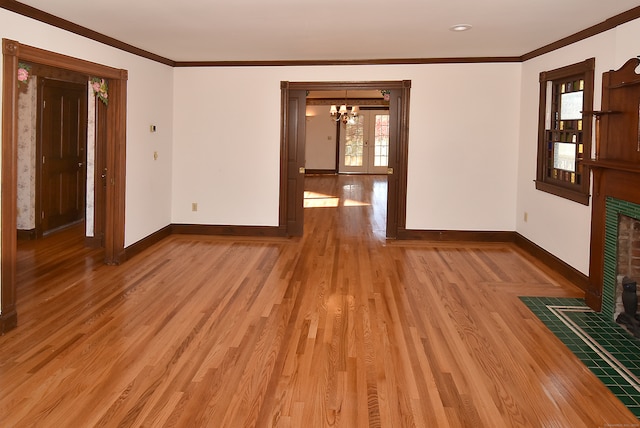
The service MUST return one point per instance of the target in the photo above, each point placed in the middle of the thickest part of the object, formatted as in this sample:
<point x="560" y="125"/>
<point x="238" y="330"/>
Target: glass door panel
<point x="354" y="142"/>
<point x="381" y="143"/>
<point x="364" y="143"/>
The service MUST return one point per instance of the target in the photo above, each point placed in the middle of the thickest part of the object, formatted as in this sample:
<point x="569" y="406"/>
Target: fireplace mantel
<point x="616" y="168"/>
<point x="632" y="167"/>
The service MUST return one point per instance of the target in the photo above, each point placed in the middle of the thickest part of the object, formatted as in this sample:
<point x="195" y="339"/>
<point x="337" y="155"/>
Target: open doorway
<point x="353" y="142"/>
<point x="115" y="133"/>
<point x="346" y="160"/>
<point x="293" y="159"/>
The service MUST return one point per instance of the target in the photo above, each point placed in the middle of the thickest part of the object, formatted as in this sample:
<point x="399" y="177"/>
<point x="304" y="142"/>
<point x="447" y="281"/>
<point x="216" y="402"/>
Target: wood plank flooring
<point x="339" y="328"/>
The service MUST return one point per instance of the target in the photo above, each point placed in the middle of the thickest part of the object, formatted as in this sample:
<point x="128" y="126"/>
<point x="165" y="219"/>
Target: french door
<point x="364" y="143"/>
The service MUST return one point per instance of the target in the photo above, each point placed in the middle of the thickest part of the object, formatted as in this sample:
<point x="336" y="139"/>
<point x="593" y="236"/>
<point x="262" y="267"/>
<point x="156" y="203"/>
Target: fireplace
<point x="615" y="237"/>
<point x="615" y="215"/>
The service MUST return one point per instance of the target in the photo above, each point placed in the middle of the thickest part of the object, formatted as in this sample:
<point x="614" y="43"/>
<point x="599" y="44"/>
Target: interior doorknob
<point x="301" y="170"/>
<point x="390" y="171"/>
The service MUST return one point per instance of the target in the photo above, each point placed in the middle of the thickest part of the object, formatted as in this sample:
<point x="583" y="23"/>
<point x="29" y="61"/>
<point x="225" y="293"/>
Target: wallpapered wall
<point x="27" y="139"/>
<point x="91" y="153"/>
<point x="27" y="114"/>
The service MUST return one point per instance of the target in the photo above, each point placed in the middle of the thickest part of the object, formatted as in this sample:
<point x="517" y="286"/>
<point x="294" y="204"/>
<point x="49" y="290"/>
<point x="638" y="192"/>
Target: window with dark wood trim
<point x="564" y="131"/>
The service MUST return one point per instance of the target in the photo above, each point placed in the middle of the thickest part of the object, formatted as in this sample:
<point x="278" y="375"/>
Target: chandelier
<point x="344" y="114"/>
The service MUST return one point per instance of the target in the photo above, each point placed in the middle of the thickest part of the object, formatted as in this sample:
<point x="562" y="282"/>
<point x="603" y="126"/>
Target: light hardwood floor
<point x="339" y="328"/>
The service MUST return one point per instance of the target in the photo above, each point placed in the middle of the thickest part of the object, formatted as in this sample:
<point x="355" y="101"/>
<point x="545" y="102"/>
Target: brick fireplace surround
<point x="621" y="252"/>
<point x="628" y="255"/>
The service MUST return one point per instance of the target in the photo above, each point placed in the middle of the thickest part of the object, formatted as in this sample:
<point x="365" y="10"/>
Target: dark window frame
<point x="545" y="181"/>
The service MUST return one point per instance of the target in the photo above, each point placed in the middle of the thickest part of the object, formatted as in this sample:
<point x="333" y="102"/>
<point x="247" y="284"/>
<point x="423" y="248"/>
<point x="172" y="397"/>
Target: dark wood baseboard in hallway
<point x="339" y="328"/>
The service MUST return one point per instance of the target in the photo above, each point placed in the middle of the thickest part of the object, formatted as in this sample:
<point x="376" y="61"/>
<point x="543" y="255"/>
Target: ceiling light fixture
<point x="343" y="114"/>
<point x="460" y="27"/>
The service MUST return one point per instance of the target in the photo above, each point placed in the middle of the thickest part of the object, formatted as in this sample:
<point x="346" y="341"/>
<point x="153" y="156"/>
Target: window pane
<point x="354" y="142"/>
<point x="564" y="156"/>
<point x="381" y="157"/>
<point x="571" y="106"/>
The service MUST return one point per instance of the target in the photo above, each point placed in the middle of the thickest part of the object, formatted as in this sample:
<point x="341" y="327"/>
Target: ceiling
<point x="323" y="30"/>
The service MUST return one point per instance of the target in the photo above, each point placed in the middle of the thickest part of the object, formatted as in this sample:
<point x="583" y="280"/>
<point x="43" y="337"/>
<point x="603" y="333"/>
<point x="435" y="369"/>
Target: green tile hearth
<point x="602" y="345"/>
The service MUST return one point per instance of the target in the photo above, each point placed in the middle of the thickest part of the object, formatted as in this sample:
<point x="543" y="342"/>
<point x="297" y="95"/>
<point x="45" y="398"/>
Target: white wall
<point x="462" y="142"/>
<point x="462" y="147"/>
<point x="150" y="100"/>
<point x="226" y="147"/>
<point x="560" y="226"/>
<point x="320" y="142"/>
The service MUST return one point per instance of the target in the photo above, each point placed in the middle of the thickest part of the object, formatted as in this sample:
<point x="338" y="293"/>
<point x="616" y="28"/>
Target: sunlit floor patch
<point x="352" y="203"/>
<point x="602" y="345"/>
<point x="321" y="203"/>
<point x="319" y="200"/>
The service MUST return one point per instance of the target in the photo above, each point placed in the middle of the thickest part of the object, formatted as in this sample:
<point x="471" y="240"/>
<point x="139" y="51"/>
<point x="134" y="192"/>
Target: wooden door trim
<point x="99" y="182"/>
<point x="13" y="52"/>
<point x="403" y="158"/>
<point x="395" y="208"/>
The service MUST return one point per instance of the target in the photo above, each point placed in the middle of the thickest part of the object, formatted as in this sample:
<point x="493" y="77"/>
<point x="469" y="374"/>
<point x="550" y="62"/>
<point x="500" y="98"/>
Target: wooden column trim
<point x="116" y="173"/>
<point x="403" y="158"/>
<point x="284" y="123"/>
<point x="8" y="314"/>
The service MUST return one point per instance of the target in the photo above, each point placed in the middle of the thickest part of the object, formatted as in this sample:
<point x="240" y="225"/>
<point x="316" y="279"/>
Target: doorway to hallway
<point x="114" y="173"/>
<point x="292" y="153"/>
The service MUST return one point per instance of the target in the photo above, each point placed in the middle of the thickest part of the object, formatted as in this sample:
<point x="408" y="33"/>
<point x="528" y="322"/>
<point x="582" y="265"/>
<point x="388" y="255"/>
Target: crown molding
<point x="603" y="26"/>
<point x="388" y="61"/>
<point x="47" y="18"/>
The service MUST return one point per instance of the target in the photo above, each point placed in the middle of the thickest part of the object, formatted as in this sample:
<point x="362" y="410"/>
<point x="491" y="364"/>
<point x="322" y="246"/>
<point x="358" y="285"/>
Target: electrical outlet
<point x="526" y="216"/>
<point x="194" y="206"/>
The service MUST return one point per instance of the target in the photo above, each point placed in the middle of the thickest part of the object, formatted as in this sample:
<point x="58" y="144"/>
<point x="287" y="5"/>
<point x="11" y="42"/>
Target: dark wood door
<point x="63" y="140"/>
<point x="295" y="162"/>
